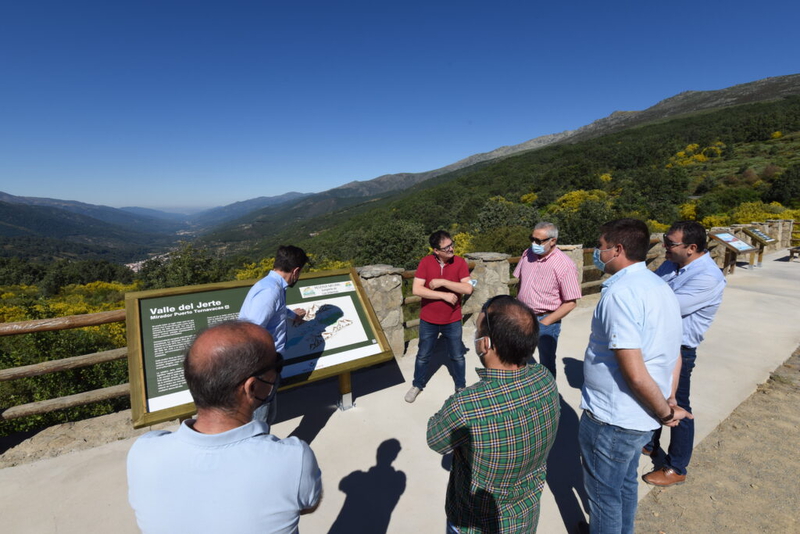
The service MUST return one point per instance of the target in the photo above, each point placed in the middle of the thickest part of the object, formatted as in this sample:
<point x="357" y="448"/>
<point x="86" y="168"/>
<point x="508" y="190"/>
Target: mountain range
<point x="56" y="228"/>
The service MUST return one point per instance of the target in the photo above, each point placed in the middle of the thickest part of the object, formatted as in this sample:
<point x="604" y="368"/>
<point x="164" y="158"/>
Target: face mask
<point x="537" y="249"/>
<point x="600" y="264"/>
<point x="275" y="385"/>
<point x="480" y="354"/>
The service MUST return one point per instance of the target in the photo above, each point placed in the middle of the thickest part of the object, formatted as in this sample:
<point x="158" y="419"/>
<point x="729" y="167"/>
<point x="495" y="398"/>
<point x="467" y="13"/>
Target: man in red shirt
<point x="441" y="279"/>
<point x="548" y="284"/>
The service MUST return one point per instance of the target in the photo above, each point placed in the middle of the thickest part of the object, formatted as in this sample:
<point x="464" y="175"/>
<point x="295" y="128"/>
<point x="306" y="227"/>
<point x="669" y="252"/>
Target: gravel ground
<point x="745" y="475"/>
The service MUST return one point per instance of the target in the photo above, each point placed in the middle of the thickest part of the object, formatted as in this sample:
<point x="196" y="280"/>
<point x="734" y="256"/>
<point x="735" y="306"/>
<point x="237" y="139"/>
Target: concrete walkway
<point x="757" y="328"/>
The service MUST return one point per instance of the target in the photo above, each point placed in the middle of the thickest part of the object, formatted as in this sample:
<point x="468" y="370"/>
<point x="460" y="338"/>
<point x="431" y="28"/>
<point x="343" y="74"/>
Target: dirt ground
<point x="745" y="475"/>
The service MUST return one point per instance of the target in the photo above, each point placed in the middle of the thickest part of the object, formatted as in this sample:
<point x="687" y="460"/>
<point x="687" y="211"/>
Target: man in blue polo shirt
<point x="265" y="305"/>
<point x="698" y="284"/>
<point x="223" y="471"/>
<point x="629" y="370"/>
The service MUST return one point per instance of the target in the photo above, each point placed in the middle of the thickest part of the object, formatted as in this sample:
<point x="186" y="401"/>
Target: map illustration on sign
<point x="327" y="325"/>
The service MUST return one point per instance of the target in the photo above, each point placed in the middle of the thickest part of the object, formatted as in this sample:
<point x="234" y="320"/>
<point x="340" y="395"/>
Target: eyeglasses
<point x="670" y="244"/>
<point x="540" y="241"/>
<point x="278" y="366"/>
<point x="447" y="248"/>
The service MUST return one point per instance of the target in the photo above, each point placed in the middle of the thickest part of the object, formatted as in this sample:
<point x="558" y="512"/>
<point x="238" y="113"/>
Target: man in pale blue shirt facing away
<point x="698" y="284"/>
<point x="265" y="305"/>
<point x="223" y="471"/>
<point x="629" y="369"/>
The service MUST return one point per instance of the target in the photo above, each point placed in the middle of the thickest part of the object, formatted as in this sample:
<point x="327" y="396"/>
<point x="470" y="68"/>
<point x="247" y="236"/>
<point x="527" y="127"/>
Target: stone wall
<point x="384" y="287"/>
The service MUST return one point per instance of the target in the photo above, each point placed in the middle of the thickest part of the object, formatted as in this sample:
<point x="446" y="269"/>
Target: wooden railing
<point x="54" y="366"/>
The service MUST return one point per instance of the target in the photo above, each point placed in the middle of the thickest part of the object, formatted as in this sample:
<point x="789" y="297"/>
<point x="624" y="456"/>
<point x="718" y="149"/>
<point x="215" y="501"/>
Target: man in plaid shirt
<point x="500" y="429"/>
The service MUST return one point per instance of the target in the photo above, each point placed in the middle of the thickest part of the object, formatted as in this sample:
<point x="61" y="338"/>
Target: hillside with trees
<point x="720" y="167"/>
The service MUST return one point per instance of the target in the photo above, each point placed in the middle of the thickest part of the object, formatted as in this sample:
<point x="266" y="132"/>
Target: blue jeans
<point x="548" y="342"/>
<point x="610" y="462"/>
<point x="681" y="440"/>
<point x="451" y="333"/>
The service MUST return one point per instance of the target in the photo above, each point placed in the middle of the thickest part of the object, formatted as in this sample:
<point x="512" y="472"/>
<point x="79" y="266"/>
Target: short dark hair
<point x="512" y="327"/>
<point x="289" y="258"/>
<point x="632" y="234"/>
<point x="437" y="237"/>
<point x="694" y="233"/>
<point x="213" y="382"/>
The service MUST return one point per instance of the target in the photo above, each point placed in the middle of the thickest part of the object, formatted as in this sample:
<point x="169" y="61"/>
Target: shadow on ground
<point x="371" y="495"/>
<point x="316" y="402"/>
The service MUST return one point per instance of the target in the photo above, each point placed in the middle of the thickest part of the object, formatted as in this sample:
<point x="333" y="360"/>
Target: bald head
<point x="222" y="357"/>
<point x="512" y="327"/>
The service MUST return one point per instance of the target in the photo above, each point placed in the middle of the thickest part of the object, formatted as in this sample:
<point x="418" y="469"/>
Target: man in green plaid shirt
<point x="500" y="429"/>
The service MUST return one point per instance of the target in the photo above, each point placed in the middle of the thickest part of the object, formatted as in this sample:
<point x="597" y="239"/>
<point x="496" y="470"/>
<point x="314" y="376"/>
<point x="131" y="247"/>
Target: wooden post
<point x="346" y="391"/>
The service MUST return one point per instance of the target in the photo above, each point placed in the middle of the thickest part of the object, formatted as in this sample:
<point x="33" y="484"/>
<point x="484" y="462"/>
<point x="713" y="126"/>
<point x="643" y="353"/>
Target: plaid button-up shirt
<point x="501" y="431"/>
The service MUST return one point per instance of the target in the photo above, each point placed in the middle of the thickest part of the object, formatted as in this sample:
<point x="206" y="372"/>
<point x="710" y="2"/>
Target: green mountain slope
<point x="740" y="153"/>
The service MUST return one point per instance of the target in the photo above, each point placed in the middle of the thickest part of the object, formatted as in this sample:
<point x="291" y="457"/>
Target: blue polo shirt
<point x="244" y="481"/>
<point x="698" y="287"/>
<point x="265" y="305"/>
<point x="637" y="310"/>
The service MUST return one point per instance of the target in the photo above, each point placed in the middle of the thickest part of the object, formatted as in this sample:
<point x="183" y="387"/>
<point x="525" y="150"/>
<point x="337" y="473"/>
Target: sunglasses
<point x="278" y="366"/>
<point x="540" y="241"/>
<point x="448" y="247"/>
<point x="670" y="244"/>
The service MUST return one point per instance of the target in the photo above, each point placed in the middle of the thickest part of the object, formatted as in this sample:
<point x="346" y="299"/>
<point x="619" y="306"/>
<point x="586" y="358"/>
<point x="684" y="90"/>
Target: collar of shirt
<point x="638" y="266"/>
<point x="278" y="278"/>
<point x="188" y="434"/>
<point x="501" y="375"/>
<point x="697" y="264"/>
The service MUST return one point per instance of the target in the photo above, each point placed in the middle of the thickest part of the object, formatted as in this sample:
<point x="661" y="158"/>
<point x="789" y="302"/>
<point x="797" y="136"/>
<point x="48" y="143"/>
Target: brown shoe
<point x="666" y="476"/>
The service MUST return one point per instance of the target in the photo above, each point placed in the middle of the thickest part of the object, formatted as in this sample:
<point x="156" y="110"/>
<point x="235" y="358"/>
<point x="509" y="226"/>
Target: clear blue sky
<point x="192" y="103"/>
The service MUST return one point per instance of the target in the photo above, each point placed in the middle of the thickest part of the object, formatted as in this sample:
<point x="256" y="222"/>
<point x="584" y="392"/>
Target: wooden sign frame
<point x="760" y="239"/>
<point x="733" y="247"/>
<point x="759" y="236"/>
<point x="339" y="334"/>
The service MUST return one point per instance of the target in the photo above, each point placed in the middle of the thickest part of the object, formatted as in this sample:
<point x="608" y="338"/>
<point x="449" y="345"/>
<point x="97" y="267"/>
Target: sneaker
<point x="411" y="396"/>
<point x="459" y="390"/>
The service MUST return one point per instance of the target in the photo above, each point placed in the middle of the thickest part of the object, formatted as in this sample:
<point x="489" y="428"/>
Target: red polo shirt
<point x="441" y="311"/>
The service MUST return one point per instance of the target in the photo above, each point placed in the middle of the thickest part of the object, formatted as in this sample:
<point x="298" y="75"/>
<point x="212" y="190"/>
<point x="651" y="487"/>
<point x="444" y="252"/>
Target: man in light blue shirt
<point x="629" y="369"/>
<point x="265" y="305"/>
<point x="698" y="284"/>
<point x="223" y="471"/>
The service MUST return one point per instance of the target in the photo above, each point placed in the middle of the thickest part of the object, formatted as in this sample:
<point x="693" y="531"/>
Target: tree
<point x="786" y="189"/>
<point x="187" y="266"/>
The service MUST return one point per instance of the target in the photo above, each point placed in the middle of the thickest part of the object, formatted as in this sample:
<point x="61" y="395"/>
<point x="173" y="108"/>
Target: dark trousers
<point x="681" y="441"/>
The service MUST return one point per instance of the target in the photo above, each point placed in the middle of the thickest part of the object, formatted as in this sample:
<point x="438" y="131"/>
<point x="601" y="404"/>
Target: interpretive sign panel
<point x="733" y="243"/>
<point x="338" y="333"/>
<point x="759" y="236"/>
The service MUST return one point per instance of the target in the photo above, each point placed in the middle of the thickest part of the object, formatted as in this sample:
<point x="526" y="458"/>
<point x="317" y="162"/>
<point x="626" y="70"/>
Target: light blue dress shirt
<point x="265" y="305"/>
<point x="637" y="310"/>
<point x="243" y="481"/>
<point x="698" y="287"/>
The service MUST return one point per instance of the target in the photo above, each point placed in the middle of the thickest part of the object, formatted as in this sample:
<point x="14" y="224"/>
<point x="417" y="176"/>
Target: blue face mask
<point x="600" y="264"/>
<point x="537" y="249"/>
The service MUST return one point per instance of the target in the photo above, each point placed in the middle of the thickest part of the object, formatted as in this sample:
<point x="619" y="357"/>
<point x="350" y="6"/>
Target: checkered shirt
<point x="501" y="430"/>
